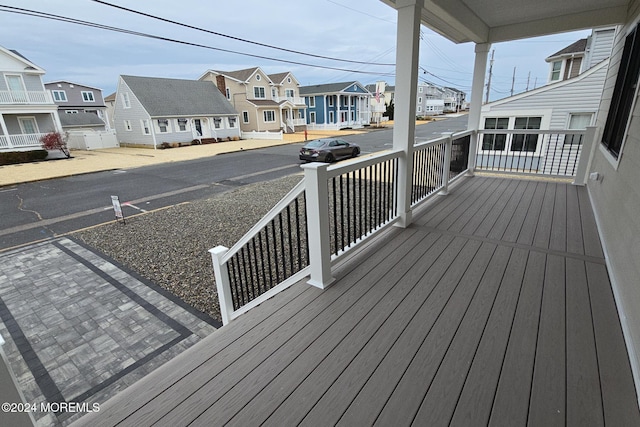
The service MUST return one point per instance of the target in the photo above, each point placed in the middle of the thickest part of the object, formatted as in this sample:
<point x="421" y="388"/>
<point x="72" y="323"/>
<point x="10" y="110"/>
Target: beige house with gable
<point x="266" y="103"/>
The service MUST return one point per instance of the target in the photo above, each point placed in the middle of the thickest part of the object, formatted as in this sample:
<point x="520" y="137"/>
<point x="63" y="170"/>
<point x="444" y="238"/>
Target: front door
<point x="197" y="124"/>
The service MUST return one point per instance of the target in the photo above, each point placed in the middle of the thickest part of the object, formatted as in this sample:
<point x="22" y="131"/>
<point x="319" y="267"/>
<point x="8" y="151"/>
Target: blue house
<point x="337" y="105"/>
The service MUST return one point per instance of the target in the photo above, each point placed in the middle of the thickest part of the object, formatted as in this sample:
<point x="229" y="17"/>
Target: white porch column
<point x="56" y="121"/>
<point x="407" y="56"/>
<point x="324" y="105"/>
<point x="349" y="120"/>
<point x="475" y="106"/>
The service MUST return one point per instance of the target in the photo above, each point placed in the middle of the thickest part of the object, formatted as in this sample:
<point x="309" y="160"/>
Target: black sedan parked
<point x="328" y="150"/>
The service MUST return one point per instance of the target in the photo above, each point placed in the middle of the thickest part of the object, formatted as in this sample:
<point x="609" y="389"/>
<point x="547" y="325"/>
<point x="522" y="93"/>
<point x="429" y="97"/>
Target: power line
<point x="54" y="17"/>
<point x="234" y="37"/>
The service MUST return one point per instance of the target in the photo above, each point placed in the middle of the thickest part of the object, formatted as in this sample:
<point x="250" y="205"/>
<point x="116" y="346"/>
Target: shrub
<point x="14" y="157"/>
<point x="55" y="141"/>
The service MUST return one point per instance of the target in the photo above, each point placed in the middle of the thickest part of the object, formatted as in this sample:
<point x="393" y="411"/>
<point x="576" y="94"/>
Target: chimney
<point x="222" y="86"/>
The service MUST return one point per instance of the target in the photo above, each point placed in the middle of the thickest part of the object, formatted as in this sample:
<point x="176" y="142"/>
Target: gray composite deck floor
<point x="493" y="308"/>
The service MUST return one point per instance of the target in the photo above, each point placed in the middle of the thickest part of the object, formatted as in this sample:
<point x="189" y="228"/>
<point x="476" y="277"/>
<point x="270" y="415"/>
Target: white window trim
<point x="126" y="100"/>
<point x="255" y="95"/>
<point x="22" y="119"/>
<point x="312" y="102"/>
<point x="156" y="123"/>
<point x="264" y="116"/>
<point x="312" y="117"/>
<point x="88" y="92"/>
<point x="330" y="100"/>
<point x="219" y="121"/>
<point x="127" y="125"/>
<point x="228" y="91"/>
<point x="544" y="125"/>
<point x="60" y="91"/>
<point x="144" y="123"/>
<point x="231" y="122"/>
<point x="186" y="125"/>
<point x="245" y="117"/>
<point x="71" y="111"/>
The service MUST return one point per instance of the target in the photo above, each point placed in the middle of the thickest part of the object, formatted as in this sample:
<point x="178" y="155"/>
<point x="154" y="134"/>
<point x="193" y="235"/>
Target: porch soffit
<point x="493" y="21"/>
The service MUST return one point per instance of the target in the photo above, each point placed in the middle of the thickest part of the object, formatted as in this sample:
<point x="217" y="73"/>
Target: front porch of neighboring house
<point x="415" y="286"/>
<point x="21" y="131"/>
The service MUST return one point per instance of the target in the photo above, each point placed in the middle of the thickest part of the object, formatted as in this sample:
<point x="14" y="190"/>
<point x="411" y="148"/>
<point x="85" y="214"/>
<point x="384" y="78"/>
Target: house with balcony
<point x="430" y="100"/>
<point x="454" y="99"/>
<point x="337" y="105"/>
<point x="411" y="287"/>
<point x="85" y="102"/>
<point x="27" y="110"/>
<point x="266" y="103"/>
<point x="570" y="101"/>
<point x="152" y="111"/>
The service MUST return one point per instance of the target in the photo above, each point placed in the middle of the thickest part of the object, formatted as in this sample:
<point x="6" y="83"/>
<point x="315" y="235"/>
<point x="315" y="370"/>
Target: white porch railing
<point x="8" y="142"/>
<point x="347" y="203"/>
<point x="330" y="212"/>
<point x="541" y="152"/>
<point x="25" y="97"/>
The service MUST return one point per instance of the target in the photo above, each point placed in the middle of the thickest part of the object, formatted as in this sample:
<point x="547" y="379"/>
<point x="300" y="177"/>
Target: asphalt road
<point x="36" y="211"/>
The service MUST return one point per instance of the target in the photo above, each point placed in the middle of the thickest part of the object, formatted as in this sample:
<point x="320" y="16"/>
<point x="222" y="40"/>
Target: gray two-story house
<point x="26" y="109"/>
<point x="81" y="107"/>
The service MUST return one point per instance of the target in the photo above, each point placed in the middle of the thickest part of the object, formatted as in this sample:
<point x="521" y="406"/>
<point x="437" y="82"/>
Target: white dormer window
<point x="87" y="96"/>
<point x="59" y="95"/>
<point x="555" y="70"/>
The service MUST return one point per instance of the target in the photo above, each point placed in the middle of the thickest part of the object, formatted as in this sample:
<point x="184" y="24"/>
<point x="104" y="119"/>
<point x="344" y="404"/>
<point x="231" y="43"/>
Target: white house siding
<point x="600" y="46"/>
<point x="135" y="114"/>
<point x="616" y="202"/>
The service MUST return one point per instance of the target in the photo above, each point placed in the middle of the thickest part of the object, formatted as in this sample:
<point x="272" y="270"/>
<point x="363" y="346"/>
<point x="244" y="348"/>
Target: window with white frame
<point x="331" y="117"/>
<point x="269" y="116"/>
<point x="495" y="142"/>
<point x="146" y="129"/>
<point x="217" y="122"/>
<point x="87" y="96"/>
<point x="529" y="142"/>
<point x="274" y="93"/>
<point x="127" y="125"/>
<point x="163" y="125"/>
<point x="258" y="92"/>
<point x="312" y="101"/>
<point x="182" y="125"/>
<point x="126" y="102"/>
<point x="28" y="125"/>
<point x="71" y="111"/>
<point x="556" y="66"/>
<point x="59" y="95"/>
<point x="232" y="122"/>
<point x="312" y="117"/>
<point x="258" y="77"/>
<point x="330" y="101"/>
<point x="419" y="108"/>
<point x="289" y="93"/>
<point x="245" y="117"/>
<point x="420" y="89"/>
<point x="579" y="120"/>
<point x="419" y="100"/>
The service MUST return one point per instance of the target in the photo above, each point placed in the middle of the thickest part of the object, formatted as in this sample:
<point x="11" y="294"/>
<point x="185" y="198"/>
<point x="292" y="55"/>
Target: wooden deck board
<point x="493" y="308"/>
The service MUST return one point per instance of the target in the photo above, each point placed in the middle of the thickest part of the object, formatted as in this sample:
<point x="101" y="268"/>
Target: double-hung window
<point x="163" y="125"/>
<point x="269" y="116"/>
<point x="87" y="96"/>
<point x="258" y="92"/>
<point x="59" y="95"/>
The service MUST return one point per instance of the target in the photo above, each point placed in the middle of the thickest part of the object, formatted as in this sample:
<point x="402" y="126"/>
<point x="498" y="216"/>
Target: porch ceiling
<point x="492" y="21"/>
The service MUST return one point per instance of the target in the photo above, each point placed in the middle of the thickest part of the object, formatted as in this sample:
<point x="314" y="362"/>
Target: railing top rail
<point x="284" y="202"/>
<point x="346" y="167"/>
<point x="430" y="142"/>
<point x="532" y="131"/>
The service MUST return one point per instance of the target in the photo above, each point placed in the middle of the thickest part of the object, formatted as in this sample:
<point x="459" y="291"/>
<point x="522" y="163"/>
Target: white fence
<point x="262" y="135"/>
<point x="79" y="140"/>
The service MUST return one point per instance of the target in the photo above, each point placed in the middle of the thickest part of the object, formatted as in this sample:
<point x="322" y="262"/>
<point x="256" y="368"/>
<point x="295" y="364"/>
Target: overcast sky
<point x="362" y="31"/>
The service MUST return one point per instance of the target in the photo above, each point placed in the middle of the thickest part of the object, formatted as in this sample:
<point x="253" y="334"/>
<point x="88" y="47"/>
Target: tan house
<point x="266" y="103"/>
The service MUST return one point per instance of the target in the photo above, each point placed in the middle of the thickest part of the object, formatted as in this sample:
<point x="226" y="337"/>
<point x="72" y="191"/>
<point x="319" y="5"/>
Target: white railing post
<point x="317" y="204"/>
<point x="473" y="152"/>
<point x="222" y="282"/>
<point x="585" y="156"/>
<point x="447" y="165"/>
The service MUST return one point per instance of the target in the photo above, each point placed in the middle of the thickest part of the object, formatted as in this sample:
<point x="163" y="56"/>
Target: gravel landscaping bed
<point x="170" y="246"/>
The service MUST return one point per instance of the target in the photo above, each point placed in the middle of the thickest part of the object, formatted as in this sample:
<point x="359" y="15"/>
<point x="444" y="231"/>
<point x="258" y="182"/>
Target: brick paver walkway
<point x="79" y="328"/>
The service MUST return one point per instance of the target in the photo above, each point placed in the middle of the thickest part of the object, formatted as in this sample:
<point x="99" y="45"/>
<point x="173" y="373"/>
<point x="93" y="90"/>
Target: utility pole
<point x="490" y="73"/>
<point x="513" y="80"/>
